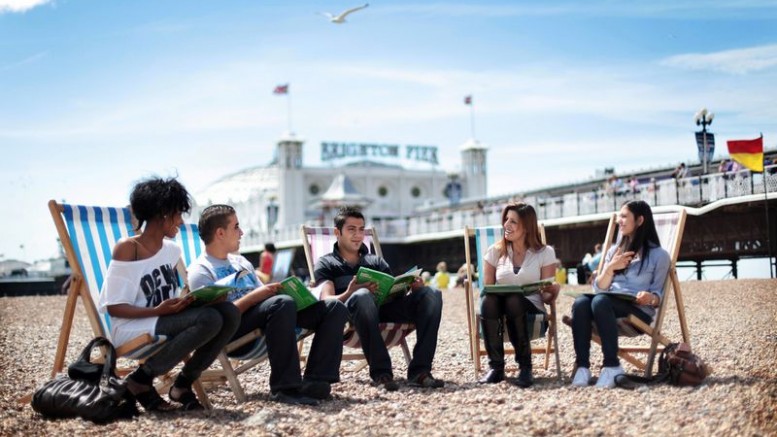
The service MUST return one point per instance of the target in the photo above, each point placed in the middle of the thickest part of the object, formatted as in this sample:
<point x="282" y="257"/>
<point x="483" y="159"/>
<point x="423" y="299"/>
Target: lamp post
<point x="703" y="118"/>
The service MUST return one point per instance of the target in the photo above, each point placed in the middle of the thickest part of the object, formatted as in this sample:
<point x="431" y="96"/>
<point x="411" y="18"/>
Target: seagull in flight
<point x="340" y="18"/>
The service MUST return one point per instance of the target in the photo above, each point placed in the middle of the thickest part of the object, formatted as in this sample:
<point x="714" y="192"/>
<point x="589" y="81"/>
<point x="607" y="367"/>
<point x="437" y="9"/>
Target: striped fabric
<point x="392" y="333"/>
<point x="94" y="231"/>
<point x="666" y="224"/>
<point x="321" y="242"/>
<point x="190" y="242"/>
<point x="537" y="324"/>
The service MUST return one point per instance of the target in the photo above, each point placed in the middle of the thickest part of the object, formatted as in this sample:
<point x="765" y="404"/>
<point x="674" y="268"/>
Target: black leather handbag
<point x="90" y="390"/>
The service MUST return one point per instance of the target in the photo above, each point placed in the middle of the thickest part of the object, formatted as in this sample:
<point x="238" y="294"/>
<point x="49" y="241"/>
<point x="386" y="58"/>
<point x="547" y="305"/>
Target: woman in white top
<point x="519" y="258"/>
<point x="141" y="293"/>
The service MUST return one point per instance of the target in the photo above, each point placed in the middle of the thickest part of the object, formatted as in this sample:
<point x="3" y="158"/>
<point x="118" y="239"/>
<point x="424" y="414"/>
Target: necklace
<point x="516" y="263"/>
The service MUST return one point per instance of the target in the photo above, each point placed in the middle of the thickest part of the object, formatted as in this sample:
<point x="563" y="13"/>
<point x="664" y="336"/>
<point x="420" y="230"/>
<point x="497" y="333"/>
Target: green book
<point x="209" y="293"/>
<point x="293" y="287"/>
<point x="387" y="285"/>
<point x="525" y="289"/>
<point x="624" y="296"/>
<point x="222" y="287"/>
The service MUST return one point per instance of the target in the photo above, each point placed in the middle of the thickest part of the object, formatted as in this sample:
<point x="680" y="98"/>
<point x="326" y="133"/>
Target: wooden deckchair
<point x="539" y="325"/>
<point x="319" y="241"/>
<point x="231" y="366"/>
<point x="88" y="235"/>
<point x="670" y="227"/>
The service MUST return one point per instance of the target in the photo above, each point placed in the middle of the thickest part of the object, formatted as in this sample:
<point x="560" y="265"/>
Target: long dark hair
<point x="645" y="236"/>
<point x="528" y="218"/>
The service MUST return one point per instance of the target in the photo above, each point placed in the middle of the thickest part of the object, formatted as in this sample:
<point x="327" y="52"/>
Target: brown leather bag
<point x="681" y="366"/>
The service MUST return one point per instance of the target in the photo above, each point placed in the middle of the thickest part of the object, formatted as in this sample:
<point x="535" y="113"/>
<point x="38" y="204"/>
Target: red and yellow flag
<point x="749" y="153"/>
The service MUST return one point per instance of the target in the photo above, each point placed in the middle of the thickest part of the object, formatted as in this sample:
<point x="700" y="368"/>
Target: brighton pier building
<point x="272" y="201"/>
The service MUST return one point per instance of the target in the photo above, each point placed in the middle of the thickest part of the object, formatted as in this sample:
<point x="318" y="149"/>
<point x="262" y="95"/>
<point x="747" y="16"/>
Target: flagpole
<point x="288" y="110"/>
<point x="768" y="227"/>
<point x="472" y="119"/>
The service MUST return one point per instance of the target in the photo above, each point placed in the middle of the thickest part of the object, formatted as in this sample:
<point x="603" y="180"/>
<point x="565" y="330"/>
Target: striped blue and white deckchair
<point x="192" y="247"/>
<point x="319" y="241"/>
<point x="538" y="325"/>
<point x="670" y="226"/>
<point x="88" y="235"/>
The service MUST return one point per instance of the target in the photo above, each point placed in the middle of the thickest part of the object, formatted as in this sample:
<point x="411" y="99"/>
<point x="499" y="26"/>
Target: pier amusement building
<point x="273" y="200"/>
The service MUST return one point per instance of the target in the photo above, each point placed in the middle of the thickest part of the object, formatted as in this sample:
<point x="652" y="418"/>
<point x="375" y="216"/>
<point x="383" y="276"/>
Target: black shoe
<point x="147" y="396"/>
<point x="492" y="377"/>
<point x="292" y="397"/>
<point x="524" y="378"/>
<point x="387" y="382"/>
<point x="315" y="389"/>
<point x="187" y="399"/>
<point x="426" y="380"/>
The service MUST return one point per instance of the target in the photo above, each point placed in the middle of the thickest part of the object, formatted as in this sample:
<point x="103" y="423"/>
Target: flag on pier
<point x="281" y="89"/>
<point x="749" y="153"/>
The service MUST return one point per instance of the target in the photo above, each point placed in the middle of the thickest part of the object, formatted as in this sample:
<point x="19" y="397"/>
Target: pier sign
<point x="334" y="150"/>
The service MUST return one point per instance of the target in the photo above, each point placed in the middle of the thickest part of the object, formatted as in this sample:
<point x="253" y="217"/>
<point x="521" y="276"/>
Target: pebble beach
<point x="732" y="323"/>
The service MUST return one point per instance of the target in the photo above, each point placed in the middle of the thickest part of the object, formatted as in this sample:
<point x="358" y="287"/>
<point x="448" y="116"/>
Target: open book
<point x="222" y="287"/>
<point x="625" y="296"/>
<point x="387" y="285"/>
<point x="303" y="298"/>
<point x="525" y="289"/>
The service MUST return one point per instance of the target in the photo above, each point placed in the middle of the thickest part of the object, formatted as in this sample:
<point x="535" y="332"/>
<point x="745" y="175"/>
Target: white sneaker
<point x="582" y="376"/>
<point x="607" y="377"/>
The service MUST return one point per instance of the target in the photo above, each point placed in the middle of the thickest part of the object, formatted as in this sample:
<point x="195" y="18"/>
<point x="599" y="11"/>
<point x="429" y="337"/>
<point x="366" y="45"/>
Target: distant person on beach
<point x="266" y="261"/>
<point x="442" y="278"/>
<point x="263" y="307"/>
<point x="518" y="258"/>
<point x="636" y="265"/>
<point x="141" y="293"/>
<point x="421" y="305"/>
<point x="589" y="264"/>
<point x="461" y="275"/>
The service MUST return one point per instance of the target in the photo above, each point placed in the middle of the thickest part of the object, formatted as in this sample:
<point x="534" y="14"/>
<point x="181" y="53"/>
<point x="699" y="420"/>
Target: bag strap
<point x="110" y="357"/>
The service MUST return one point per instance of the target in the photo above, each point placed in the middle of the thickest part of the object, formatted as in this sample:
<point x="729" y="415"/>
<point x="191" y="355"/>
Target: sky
<point x="98" y="94"/>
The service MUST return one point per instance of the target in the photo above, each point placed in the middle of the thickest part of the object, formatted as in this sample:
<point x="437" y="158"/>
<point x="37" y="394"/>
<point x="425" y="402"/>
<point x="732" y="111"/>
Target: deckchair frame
<point x="393" y="333"/>
<point x="477" y="349"/>
<point x="672" y="281"/>
<point x="79" y="287"/>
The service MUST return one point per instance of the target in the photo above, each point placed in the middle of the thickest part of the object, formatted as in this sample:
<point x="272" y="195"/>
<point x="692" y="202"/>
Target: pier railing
<point x="689" y="191"/>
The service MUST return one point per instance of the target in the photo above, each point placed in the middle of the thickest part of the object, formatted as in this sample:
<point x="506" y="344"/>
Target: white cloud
<point x="737" y="61"/>
<point x="20" y="5"/>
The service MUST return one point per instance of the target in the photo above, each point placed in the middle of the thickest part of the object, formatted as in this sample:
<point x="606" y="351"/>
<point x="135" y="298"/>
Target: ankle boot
<point x="493" y="376"/>
<point x="492" y="338"/>
<point x="519" y="337"/>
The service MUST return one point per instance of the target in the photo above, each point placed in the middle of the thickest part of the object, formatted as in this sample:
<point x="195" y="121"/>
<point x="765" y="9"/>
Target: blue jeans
<point x="422" y="308"/>
<point x="602" y="310"/>
<point x="204" y="331"/>
<point x="278" y="318"/>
